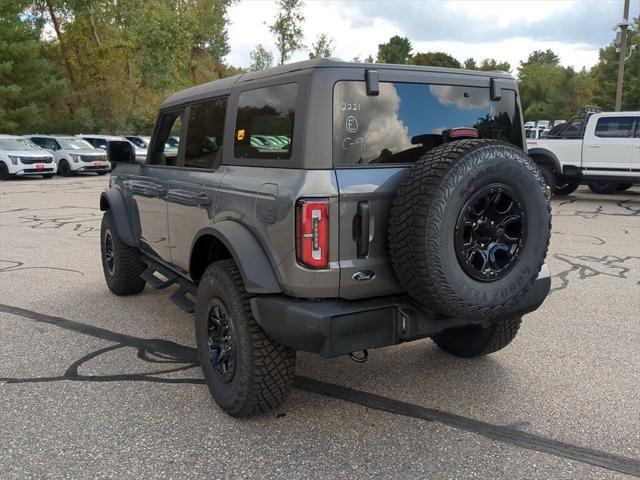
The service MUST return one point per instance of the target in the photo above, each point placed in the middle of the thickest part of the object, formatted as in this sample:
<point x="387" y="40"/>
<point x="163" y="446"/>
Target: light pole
<point x="624" y="25"/>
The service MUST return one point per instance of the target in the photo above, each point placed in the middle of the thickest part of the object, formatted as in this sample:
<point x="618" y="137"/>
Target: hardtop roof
<point x="224" y="85"/>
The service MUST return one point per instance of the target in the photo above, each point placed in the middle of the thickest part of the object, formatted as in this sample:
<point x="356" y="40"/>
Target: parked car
<point x="119" y="149"/>
<point x="21" y="157"/>
<point x="533" y="133"/>
<point x="543" y="124"/>
<point x="399" y="209"/>
<point x="529" y="125"/>
<point x="558" y="122"/>
<point x="599" y="149"/>
<point x="72" y="155"/>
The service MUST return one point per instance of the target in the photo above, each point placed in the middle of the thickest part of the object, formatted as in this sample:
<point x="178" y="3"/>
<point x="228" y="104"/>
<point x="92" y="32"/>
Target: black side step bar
<point x="185" y="287"/>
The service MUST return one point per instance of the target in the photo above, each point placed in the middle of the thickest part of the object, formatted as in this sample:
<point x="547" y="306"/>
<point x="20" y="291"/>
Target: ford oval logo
<point x="364" y="275"/>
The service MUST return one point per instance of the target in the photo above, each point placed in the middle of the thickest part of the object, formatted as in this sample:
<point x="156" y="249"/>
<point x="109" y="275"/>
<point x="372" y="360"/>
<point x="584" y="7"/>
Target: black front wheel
<point x="603" y="187"/>
<point x="64" y="169"/>
<point x="474" y="340"/>
<point x="4" y="172"/>
<point x="121" y="264"/>
<point x="247" y="372"/>
<point x="565" y="187"/>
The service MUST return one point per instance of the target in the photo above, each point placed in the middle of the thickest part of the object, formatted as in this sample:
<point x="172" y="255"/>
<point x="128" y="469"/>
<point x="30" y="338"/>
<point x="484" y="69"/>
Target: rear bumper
<point x="336" y="327"/>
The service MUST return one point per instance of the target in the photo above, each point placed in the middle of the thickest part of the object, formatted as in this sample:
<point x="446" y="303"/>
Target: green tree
<point x="435" y="59"/>
<point x="542" y="86"/>
<point x="470" y="64"/>
<point x="546" y="57"/>
<point x="322" y="47"/>
<point x="29" y="85"/>
<point x="261" y="58"/>
<point x="396" y="50"/>
<point x="490" y="64"/>
<point x="287" y="27"/>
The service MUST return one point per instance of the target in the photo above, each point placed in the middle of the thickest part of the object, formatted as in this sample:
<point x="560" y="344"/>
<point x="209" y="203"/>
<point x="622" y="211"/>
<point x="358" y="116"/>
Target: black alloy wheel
<point x="490" y="232"/>
<point x="222" y="353"/>
<point x="109" y="252"/>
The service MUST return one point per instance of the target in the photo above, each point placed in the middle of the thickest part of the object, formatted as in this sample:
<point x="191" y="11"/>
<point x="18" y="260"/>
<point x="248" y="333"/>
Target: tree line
<point x="106" y="65"/>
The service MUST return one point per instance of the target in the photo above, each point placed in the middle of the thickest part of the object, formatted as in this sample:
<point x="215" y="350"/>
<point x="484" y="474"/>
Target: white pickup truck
<point x="600" y="149"/>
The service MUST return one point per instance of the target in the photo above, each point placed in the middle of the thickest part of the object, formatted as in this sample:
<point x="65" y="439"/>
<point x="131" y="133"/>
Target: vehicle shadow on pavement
<point x="171" y="357"/>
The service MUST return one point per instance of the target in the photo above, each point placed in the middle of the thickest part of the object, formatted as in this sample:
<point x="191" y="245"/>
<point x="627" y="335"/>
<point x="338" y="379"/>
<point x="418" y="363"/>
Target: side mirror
<point x="102" y="147"/>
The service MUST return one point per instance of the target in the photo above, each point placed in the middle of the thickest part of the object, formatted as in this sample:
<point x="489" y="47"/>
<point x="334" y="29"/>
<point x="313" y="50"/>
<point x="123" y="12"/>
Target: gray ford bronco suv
<point x="333" y="208"/>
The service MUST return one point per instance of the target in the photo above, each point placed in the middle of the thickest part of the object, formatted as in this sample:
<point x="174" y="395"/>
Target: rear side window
<point x="203" y="148"/>
<point x="407" y="119"/>
<point x="264" y="124"/>
<point x="615" y="127"/>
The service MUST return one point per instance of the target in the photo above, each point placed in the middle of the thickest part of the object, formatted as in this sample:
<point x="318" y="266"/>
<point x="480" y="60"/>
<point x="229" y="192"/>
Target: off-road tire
<point x="565" y="187"/>
<point x="4" y="172"/>
<point x="474" y="341"/>
<point x="64" y="169"/>
<point x="124" y="276"/>
<point x="423" y="220"/>
<point x="603" y="188"/>
<point x="264" y="369"/>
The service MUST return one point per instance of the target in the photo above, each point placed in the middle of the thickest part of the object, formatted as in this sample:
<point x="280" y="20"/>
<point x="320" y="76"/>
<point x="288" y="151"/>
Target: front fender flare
<point x="112" y="200"/>
<point x="252" y="261"/>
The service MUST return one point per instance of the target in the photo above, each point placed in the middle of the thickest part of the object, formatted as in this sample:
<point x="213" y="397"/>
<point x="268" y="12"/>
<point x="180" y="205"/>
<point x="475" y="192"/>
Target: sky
<point x="506" y="30"/>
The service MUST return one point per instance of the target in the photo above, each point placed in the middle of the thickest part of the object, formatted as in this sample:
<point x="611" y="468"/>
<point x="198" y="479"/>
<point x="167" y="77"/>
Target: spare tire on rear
<point x="469" y="228"/>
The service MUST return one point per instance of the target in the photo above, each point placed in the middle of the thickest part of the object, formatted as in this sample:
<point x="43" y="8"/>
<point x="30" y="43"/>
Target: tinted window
<point x="406" y="119"/>
<point x="203" y="148"/>
<point x="264" y="125"/>
<point x="48" y="143"/>
<point x="163" y="153"/>
<point x="615" y="127"/>
<point x="97" y="142"/>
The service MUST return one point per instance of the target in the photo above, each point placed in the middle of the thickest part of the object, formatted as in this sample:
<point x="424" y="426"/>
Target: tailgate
<point x="366" y="195"/>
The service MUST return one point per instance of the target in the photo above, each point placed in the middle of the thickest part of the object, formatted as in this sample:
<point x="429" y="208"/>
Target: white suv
<point x="73" y="155"/>
<point x="20" y="157"/>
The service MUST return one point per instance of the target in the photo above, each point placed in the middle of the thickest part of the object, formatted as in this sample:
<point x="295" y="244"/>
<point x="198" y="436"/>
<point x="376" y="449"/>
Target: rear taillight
<point x="312" y="233"/>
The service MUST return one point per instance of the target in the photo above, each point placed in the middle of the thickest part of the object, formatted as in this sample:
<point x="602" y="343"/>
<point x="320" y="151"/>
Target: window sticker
<point x="240" y="134"/>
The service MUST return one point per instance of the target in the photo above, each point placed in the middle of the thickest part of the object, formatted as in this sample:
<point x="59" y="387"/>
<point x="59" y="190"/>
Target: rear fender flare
<point x="252" y="261"/>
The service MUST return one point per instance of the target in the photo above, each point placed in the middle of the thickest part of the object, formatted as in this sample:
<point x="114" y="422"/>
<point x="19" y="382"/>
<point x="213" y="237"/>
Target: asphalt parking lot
<point x="97" y="386"/>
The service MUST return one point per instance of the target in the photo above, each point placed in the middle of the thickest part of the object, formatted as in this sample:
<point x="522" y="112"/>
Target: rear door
<point x="149" y="185"/>
<point x="376" y="138"/>
<point x="608" y="145"/>
<point x="191" y="194"/>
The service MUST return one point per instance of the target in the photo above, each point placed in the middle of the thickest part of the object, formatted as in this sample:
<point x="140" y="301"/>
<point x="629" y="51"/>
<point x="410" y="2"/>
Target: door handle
<point x="361" y="229"/>
<point x="595" y="145"/>
<point x="189" y="199"/>
<point x="203" y="200"/>
<point x="147" y="190"/>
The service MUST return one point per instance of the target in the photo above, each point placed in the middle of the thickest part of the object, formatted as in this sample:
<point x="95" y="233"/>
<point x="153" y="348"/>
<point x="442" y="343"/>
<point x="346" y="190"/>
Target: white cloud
<point x="504" y="30"/>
